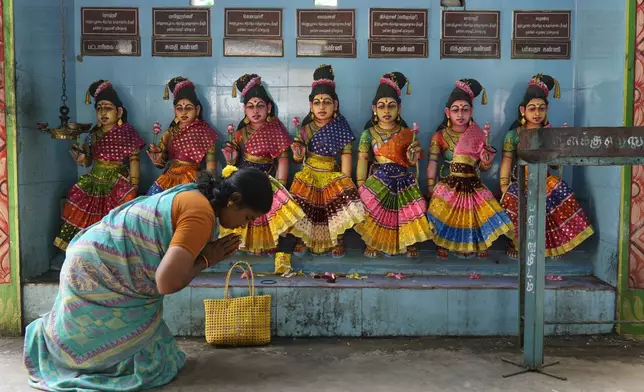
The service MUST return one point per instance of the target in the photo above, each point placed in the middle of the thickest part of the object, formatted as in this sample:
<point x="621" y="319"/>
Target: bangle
<point x="431" y="181"/>
<point x="504" y="181"/>
<point x="205" y="260"/>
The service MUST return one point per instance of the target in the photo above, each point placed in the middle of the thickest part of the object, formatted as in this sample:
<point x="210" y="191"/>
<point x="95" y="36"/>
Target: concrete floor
<point x="601" y="364"/>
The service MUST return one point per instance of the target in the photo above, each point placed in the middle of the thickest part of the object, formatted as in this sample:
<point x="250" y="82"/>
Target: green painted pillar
<point x="10" y="298"/>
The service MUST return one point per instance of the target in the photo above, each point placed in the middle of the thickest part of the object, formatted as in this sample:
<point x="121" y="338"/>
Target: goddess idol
<point x="395" y="208"/>
<point x="111" y="143"/>
<point x="567" y="225"/>
<point x="259" y="141"/>
<point x="463" y="214"/>
<point x="187" y="141"/>
<point x="327" y="195"/>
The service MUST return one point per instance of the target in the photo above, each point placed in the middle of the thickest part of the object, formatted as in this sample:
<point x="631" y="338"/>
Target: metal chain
<point x="63" y="97"/>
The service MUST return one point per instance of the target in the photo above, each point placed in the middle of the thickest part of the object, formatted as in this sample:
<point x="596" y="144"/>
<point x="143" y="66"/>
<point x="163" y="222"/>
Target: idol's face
<point x="535" y="112"/>
<point x="256" y="111"/>
<point x="387" y="109"/>
<point x="323" y="107"/>
<point x="459" y="113"/>
<point x="108" y="114"/>
<point x="186" y="112"/>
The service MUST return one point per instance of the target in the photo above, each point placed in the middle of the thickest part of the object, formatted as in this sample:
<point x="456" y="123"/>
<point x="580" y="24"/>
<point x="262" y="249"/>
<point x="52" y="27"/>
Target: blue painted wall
<point x="140" y="80"/>
<point x="591" y="85"/>
<point x="599" y="70"/>
<point x="45" y="169"/>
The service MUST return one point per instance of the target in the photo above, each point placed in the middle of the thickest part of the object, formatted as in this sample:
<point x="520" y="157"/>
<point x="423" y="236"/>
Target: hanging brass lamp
<point x="66" y="130"/>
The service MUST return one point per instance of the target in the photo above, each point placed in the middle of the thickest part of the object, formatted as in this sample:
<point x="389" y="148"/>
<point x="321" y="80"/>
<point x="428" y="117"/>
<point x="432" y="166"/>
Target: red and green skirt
<point x="567" y="225"/>
<point x="91" y="198"/>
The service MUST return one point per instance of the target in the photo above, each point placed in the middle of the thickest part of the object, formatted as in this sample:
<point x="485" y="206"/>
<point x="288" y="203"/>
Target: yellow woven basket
<point x="242" y="321"/>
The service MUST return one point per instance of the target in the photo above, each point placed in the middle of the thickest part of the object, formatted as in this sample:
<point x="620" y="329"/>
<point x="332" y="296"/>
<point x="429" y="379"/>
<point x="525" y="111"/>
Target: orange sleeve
<point x="193" y="220"/>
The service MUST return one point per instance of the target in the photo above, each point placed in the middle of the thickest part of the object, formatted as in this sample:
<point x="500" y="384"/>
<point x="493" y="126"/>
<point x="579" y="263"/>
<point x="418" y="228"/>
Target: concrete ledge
<point x="424" y="282"/>
<point x="378" y="306"/>
<point x="573" y="264"/>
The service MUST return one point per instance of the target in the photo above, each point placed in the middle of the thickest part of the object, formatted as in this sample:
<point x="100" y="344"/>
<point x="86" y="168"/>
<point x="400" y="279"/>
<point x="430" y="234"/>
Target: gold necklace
<point x="452" y="134"/>
<point x="387" y="132"/>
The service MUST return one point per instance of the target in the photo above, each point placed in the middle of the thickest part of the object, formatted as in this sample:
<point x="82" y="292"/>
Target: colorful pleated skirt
<point x="177" y="174"/>
<point x="262" y="235"/>
<point x="395" y="210"/>
<point x="463" y="214"/>
<point x="330" y="201"/>
<point x="92" y="197"/>
<point x="567" y="225"/>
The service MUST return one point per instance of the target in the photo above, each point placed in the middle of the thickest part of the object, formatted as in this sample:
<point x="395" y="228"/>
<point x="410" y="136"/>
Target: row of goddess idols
<point x="385" y="205"/>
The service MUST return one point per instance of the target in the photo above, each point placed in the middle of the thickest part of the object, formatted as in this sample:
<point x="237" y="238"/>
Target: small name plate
<point x="451" y="48"/>
<point x="110" y="46"/>
<point x="326" y="48"/>
<point x="396" y="49"/>
<point x="253" y="47"/>
<point x="181" y="47"/>
<point x="547" y="50"/>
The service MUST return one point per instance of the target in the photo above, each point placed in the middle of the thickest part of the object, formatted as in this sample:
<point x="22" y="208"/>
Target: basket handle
<point x="251" y="281"/>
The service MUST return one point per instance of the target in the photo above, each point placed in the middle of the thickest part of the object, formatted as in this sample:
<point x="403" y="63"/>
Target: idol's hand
<point x="230" y="153"/>
<point x="504" y="188"/>
<point x="155" y="155"/>
<point x="487" y="155"/>
<point x="299" y="150"/>
<point x="413" y="152"/>
<point x="78" y="154"/>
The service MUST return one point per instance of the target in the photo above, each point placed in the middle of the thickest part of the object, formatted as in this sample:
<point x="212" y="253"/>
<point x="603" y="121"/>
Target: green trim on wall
<point x="629" y="65"/>
<point x="10" y="295"/>
<point x="630" y="302"/>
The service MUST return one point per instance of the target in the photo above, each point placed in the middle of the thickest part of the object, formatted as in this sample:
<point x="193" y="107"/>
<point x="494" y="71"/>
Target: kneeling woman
<point x="106" y="330"/>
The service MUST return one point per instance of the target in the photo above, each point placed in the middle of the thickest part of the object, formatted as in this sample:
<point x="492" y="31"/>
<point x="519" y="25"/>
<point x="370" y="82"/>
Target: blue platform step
<point x="436" y="299"/>
<point x="415" y="306"/>
<point x="424" y="305"/>
<point x="497" y="264"/>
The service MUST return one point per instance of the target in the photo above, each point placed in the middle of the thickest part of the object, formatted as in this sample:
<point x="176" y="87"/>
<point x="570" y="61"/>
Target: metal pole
<point x="532" y="256"/>
<point x="521" y="244"/>
<point x="533" y="252"/>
